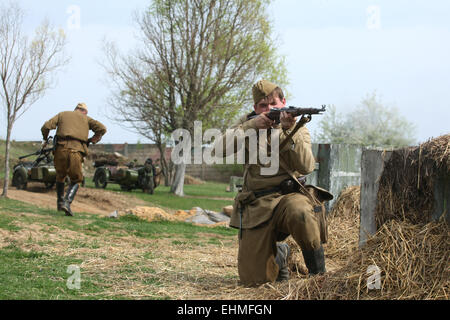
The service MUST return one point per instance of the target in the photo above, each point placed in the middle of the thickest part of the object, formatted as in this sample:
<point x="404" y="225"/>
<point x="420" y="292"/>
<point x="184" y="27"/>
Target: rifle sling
<point x="299" y="124"/>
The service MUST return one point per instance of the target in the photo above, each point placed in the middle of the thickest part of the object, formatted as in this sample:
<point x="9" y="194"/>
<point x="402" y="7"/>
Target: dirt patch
<point x="88" y="200"/>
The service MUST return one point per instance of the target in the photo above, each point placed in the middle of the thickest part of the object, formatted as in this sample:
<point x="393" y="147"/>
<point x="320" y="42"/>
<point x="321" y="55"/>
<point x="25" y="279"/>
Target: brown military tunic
<point x="72" y="132"/>
<point x="272" y="217"/>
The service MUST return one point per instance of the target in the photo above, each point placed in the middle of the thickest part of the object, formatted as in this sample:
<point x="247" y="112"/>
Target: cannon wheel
<point x="100" y="179"/>
<point x="19" y="180"/>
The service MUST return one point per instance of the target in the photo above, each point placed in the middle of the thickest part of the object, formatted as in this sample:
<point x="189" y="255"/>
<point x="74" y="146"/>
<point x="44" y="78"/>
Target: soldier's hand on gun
<point x="263" y="122"/>
<point x="287" y="120"/>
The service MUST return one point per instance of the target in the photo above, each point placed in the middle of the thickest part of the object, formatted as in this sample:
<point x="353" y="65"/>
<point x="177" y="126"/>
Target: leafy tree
<point x="197" y="61"/>
<point x="370" y="124"/>
<point x="26" y="68"/>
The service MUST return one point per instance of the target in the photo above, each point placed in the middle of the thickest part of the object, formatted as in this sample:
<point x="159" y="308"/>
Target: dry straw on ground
<point x="158" y="214"/>
<point x="191" y="180"/>
<point x="412" y="258"/>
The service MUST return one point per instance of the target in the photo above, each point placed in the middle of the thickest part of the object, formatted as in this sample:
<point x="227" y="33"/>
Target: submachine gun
<point x="306" y="113"/>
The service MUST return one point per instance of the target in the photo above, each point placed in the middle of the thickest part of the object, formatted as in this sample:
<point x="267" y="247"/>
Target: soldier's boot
<point x="281" y="259"/>
<point x="315" y="261"/>
<point x="68" y="199"/>
<point x="59" y="195"/>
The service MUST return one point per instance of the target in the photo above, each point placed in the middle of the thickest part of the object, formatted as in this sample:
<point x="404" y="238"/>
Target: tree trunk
<point x="7" y="148"/>
<point x="164" y="165"/>
<point x="178" y="180"/>
<point x="166" y="174"/>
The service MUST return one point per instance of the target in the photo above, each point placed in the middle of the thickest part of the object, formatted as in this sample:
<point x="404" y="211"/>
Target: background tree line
<point x="370" y="124"/>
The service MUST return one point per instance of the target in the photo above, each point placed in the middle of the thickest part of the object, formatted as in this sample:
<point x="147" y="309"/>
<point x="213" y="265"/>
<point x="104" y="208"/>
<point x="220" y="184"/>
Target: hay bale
<point x="191" y="180"/>
<point x="347" y="204"/>
<point x="407" y="183"/>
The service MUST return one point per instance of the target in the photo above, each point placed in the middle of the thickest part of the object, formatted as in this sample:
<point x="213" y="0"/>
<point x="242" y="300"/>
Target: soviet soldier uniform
<point x="71" y="148"/>
<point x="265" y="213"/>
<point x="149" y="163"/>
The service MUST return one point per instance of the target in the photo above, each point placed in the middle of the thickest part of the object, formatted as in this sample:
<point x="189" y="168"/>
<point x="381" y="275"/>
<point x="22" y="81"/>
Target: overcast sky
<point x="337" y="51"/>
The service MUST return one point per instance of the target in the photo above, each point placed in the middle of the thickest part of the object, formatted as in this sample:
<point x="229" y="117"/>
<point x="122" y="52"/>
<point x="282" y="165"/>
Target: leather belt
<point x="68" y="138"/>
<point x="262" y="193"/>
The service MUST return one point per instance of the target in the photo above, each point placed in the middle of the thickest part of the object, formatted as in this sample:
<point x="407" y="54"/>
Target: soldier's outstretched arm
<point x="49" y="125"/>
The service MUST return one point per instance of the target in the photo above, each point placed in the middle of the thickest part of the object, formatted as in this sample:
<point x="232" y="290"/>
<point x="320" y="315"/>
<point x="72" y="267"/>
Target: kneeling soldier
<point x="271" y="207"/>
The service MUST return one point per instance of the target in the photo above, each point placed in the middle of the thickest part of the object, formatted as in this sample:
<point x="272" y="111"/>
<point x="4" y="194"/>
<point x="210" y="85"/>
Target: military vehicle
<point x="39" y="170"/>
<point x="128" y="177"/>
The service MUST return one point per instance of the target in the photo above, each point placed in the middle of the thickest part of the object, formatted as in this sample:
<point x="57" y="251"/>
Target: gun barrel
<point x="29" y="155"/>
<point x="306" y="110"/>
<point x="42" y="151"/>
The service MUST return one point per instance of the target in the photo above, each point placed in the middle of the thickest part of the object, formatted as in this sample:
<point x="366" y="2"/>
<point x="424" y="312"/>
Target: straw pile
<point x="191" y="180"/>
<point x="408" y="180"/>
<point x="412" y="259"/>
<point x="158" y="214"/>
<point x="411" y="254"/>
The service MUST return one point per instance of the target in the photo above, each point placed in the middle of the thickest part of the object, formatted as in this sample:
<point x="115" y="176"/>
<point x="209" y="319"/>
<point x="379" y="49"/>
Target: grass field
<point x="42" y="252"/>
<point x="125" y="258"/>
<point x="210" y="196"/>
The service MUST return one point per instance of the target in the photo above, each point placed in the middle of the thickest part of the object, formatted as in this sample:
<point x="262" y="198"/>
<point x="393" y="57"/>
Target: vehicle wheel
<point x="100" y="179"/>
<point x="49" y="185"/>
<point x="19" y="180"/>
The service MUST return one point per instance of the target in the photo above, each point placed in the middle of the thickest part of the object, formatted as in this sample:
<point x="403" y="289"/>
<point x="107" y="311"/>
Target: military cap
<point x="82" y="105"/>
<point x="262" y="89"/>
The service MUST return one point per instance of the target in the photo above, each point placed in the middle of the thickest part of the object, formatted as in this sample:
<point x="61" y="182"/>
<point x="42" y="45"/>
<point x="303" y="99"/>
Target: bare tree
<point x="198" y="61"/>
<point x="26" y="68"/>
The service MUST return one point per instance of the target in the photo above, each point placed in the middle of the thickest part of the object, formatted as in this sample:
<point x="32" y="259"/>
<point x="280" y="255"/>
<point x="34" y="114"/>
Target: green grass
<point x="98" y="225"/>
<point x="7" y="223"/>
<point x="32" y="274"/>
<point x="195" y="196"/>
<point x="36" y="275"/>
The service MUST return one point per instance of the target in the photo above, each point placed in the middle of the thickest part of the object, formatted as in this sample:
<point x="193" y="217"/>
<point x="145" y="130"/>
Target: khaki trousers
<point x="68" y="162"/>
<point x="294" y="216"/>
